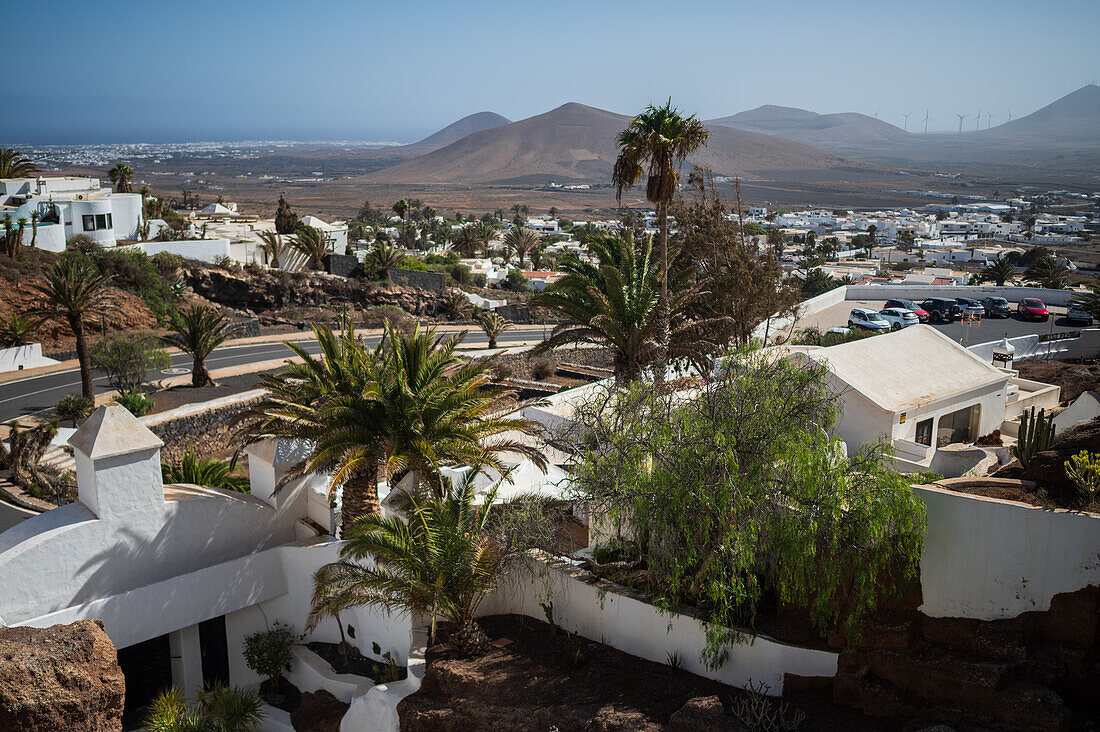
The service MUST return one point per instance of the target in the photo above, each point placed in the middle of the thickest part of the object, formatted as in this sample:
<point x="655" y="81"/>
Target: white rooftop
<point x="113" y="431"/>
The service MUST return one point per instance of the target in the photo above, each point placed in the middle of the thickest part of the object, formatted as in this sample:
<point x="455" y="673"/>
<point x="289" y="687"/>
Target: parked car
<point x="942" y="309"/>
<point x="1075" y="314"/>
<point x="867" y="319"/>
<point x="921" y="313"/>
<point x="1032" y="308"/>
<point x="899" y="317"/>
<point x="970" y="308"/>
<point x="996" y="307"/>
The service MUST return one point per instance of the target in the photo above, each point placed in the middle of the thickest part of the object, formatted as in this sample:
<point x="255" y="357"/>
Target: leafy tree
<point x="309" y="241"/>
<point x="485" y="232"/>
<point x="408" y="404"/>
<point x="270" y="653"/>
<point x="205" y="471"/>
<point x="197" y="331"/>
<point x="519" y="241"/>
<point x="401" y="208"/>
<point x="514" y="281"/>
<point x="553" y="212"/>
<point x="1000" y="271"/>
<point x="286" y="221"/>
<point x="17" y="329"/>
<point x="14" y="164"/>
<point x="1048" y="273"/>
<point x="493" y="325"/>
<point x="73" y="288"/>
<point x="442" y="562"/>
<point x="654" y="144"/>
<point x="127" y="358"/>
<point x="775" y="241"/>
<point x="74" y="407"/>
<point x="738" y="493"/>
<point x="906" y="240"/>
<point x="120" y="176"/>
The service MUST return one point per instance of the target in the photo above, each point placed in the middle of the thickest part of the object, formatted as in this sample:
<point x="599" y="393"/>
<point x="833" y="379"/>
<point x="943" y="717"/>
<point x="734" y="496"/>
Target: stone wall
<point x="341" y="264"/>
<point x="207" y="433"/>
<point x="434" y="281"/>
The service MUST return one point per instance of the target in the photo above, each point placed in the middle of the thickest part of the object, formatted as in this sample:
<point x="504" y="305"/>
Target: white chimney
<point x="117" y="463"/>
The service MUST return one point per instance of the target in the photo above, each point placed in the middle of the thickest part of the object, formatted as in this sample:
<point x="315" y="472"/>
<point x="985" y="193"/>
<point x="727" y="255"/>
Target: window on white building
<point x="97" y="222"/>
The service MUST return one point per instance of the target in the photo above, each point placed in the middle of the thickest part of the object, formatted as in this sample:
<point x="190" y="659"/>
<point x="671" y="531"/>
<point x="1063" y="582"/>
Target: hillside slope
<point x="810" y="128"/>
<point x="456" y="131"/>
<point x="576" y="143"/>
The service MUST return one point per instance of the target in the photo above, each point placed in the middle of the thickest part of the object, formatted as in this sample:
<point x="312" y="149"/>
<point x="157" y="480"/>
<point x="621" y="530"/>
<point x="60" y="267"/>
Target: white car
<point x="867" y="319"/>
<point x="899" y="317"/>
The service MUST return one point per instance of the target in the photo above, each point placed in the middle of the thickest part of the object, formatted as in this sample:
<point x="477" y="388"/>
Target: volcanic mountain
<point x="456" y="131"/>
<point x="810" y="128"/>
<point x="1072" y="120"/>
<point x="576" y="143"/>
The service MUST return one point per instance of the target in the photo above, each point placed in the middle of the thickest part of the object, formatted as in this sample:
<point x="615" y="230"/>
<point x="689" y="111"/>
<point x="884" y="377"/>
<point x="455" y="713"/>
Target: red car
<point x="922" y="314"/>
<point x="1032" y="308"/>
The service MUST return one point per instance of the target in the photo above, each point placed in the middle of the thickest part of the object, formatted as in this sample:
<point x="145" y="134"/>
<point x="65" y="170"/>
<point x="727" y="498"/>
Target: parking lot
<point x="965" y="332"/>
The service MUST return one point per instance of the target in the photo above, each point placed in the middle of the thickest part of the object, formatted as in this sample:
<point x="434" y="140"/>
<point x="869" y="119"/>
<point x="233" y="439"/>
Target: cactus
<point x="1036" y="435"/>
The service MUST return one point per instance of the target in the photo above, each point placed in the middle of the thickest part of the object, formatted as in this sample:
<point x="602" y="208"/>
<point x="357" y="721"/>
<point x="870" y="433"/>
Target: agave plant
<point x="209" y="472"/>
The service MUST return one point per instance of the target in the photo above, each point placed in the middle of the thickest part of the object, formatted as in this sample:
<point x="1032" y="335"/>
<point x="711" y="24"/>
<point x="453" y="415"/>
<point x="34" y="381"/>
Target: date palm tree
<point x="655" y="144"/>
<point x="208" y="471"/>
<point x="485" y="232"/>
<point x="493" y="325"/>
<point x="1048" y="273"/>
<point x="73" y="288"/>
<point x="197" y="331"/>
<point x="520" y="240"/>
<point x="120" y="176"/>
<point x="274" y="246"/>
<point x="408" y="404"/>
<point x="1000" y="271"/>
<point x="17" y="329"/>
<point x="310" y="242"/>
<point x="466" y="241"/>
<point x="15" y="164"/>
<point x="383" y="257"/>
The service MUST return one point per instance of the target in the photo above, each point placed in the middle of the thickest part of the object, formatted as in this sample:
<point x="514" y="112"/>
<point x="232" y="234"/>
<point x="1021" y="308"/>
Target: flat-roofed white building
<point x="67" y="206"/>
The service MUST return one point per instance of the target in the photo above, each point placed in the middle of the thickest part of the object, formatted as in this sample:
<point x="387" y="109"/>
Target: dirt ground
<point x="546" y="679"/>
<point x="1073" y="377"/>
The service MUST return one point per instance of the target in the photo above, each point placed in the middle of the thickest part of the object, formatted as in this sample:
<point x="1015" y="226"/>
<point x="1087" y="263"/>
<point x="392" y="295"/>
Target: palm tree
<point x="401" y="208"/>
<point x="74" y="288"/>
<point x="1000" y="271"/>
<point x="15" y="164"/>
<point x="611" y="304"/>
<point x="17" y="330"/>
<point x="408" y="404"/>
<point x="120" y="175"/>
<point x="383" y="257"/>
<point x="536" y="256"/>
<point x="35" y="218"/>
<point x="442" y="562"/>
<point x="310" y="242"/>
<point x="520" y="240"/>
<point x="493" y="324"/>
<point x="209" y="471"/>
<point x="1048" y="273"/>
<point x="466" y="241"/>
<point x="274" y="246"/>
<point x="655" y="144"/>
<point x="197" y="331"/>
<point x="485" y="232"/>
<point x="458" y="304"/>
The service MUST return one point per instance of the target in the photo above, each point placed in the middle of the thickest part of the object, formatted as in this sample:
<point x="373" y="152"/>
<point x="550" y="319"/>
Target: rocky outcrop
<point x="1048" y="467"/>
<point x="65" y="677"/>
<point x="703" y="714"/>
<point x="318" y="712"/>
<point x="267" y="291"/>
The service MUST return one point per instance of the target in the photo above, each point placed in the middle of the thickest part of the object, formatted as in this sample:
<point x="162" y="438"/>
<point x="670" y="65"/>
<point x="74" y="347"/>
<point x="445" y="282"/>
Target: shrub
<point x="127" y="359"/>
<point x="1083" y="470"/>
<point x="17" y="330"/>
<point x="502" y="371"/>
<point x="378" y="317"/>
<point x="219" y="708"/>
<point x="543" y="367"/>
<point x="167" y="263"/>
<point x="137" y="403"/>
<point x="74" y="407"/>
<point x="84" y="244"/>
<point x="515" y="282"/>
<point x="414" y="264"/>
<point x="269" y="653"/>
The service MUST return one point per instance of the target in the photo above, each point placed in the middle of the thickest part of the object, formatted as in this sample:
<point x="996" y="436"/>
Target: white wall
<point x="23" y="357"/>
<point x="640" y="629"/>
<point x="50" y="237"/>
<point x="1029" y="347"/>
<point x="920" y="292"/>
<point x="990" y="559"/>
<point x="203" y="250"/>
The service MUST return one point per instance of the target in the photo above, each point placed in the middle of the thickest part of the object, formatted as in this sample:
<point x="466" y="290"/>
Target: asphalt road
<point x="31" y="395"/>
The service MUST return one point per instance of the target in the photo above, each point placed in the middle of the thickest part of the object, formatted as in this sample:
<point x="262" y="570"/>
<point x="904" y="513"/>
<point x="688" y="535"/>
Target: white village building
<point x="67" y="206"/>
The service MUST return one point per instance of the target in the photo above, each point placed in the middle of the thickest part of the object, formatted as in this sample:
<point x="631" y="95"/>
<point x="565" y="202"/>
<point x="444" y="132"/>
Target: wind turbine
<point x="906" y="116"/>
<point x="961" y="118"/>
<point x="875" y="115"/>
<point x="1010" y="115"/>
<point x="977" y="120"/>
<point x="926" y="119"/>
<point x="989" y="119"/>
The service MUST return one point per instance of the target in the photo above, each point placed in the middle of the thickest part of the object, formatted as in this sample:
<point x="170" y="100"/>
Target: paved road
<point x="11" y="515"/>
<point x="31" y="395"/>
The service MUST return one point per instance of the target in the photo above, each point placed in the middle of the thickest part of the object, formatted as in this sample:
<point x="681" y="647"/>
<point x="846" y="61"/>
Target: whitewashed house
<point x="67" y="206"/>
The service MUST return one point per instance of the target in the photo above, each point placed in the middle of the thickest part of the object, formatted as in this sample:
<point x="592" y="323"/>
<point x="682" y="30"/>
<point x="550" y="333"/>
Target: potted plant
<point x="269" y="653"/>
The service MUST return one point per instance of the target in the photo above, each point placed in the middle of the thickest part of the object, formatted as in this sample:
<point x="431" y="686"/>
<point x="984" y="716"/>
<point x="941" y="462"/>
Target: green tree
<point x="1047" y="272"/>
<point x="466" y="241"/>
<point x="384" y="257"/>
<point x="1000" y="271"/>
<point x="274" y="246"/>
<point x="286" y="221"/>
<point x="74" y="407"/>
<point x="120" y="176"/>
<point x="737" y="493"/>
<point x="442" y="562"/>
<point x="817" y="282"/>
<point x="485" y="232"/>
<point x="74" y="288"/>
<point x="197" y="331"/>
<point x="493" y="325"/>
<point x="127" y="358"/>
<point x="519" y="241"/>
<point x="310" y="242"/>
<point x="655" y="144"/>
<point x="208" y="471"/>
<point x="14" y="164"/>
<point x="408" y="404"/>
<point x="401" y="208"/>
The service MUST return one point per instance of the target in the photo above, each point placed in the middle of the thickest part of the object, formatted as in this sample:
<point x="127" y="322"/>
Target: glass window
<point x="110" y="223"/>
<point x="89" y="222"/>
<point x="924" y="432"/>
<point x="101" y="221"/>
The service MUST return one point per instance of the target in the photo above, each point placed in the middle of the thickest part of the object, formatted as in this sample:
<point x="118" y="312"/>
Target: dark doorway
<point x="215" y="650"/>
<point x="147" y="667"/>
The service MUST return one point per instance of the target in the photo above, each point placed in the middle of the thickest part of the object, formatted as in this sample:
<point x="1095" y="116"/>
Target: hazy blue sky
<point x="113" y="71"/>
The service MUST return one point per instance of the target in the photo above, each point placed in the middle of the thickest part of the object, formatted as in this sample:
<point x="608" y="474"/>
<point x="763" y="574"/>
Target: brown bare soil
<point x="1073" y="377"/>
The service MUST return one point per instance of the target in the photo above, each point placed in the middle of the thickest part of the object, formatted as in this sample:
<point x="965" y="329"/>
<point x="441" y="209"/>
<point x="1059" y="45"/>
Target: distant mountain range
<point x="575" y="143"/>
